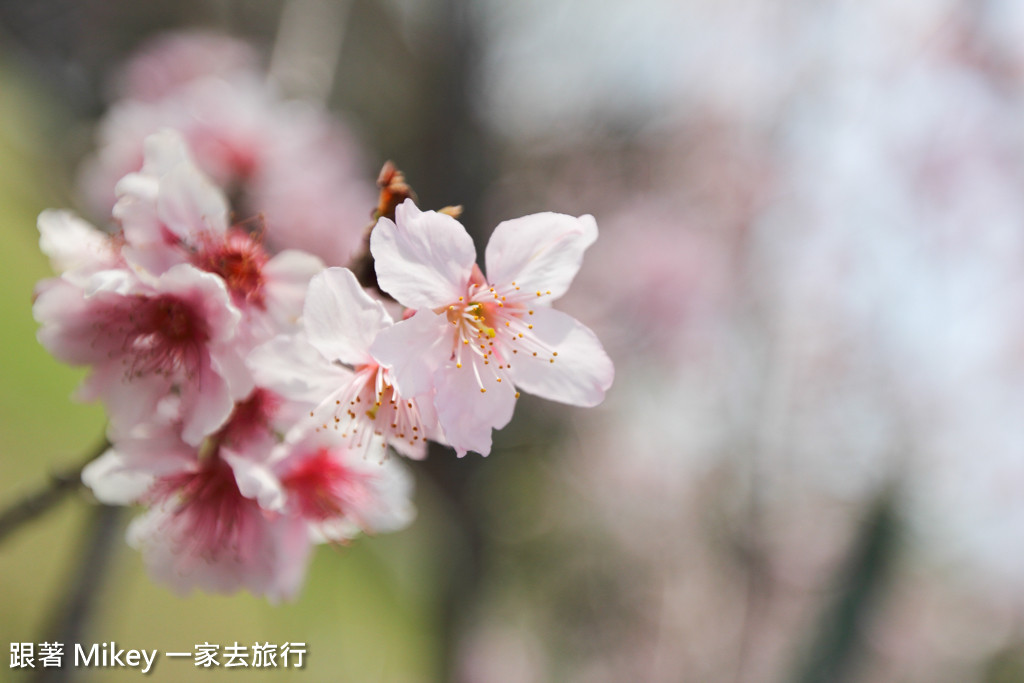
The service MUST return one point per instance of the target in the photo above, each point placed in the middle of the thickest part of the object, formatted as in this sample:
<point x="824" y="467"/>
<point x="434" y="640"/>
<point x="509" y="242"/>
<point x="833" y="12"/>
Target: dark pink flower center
<point x="163" y="334"/>
<point x="323" y="488"/>
<point x="250" y="418"/>
<point x="238" y="259"/>
<point x="210" y="515"/>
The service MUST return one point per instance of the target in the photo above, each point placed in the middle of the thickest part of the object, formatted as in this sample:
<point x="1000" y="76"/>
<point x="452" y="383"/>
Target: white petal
<point x="468" y="414"/>
<point x="206" y="404"/>
<point x="341" y="319"/>
<point x="425" y="260"/>
<point x="581" y="372"/>
<point x="164" y="150"/>
<point x="190" y="205"/>
<point x="541" y="252"/>
<point x="413" y="349"/>
<point x="293" y="368"/>
<point x="287" y="277"/>
<point x="73" y="244"/>
<point x="255" y="480"/>
<point x="114" y="481"/>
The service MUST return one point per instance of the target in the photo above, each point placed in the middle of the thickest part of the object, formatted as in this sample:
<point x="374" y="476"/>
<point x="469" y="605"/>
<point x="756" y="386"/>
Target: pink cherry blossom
<point x="351" y="392"/>
<point x="144" y="336"/>
<point x="173" y="60"/>
<point x="290" y="161"/>
<point x="201" y="532"/>
<point x="339" y="492"/>
<point x="172" y="213"/>
<point x="473" y="340"/>
<point x="205" y="528"/>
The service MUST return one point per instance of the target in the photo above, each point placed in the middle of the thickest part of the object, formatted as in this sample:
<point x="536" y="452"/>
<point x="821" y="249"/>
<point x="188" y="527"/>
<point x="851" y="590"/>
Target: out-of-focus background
<point x="810" y="276"/>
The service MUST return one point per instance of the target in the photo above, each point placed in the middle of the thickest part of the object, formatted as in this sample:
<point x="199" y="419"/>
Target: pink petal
<point x="293" y="368"/>
<point x="190" y="205"/>
<point x="286" y="277"/>
<point x="72" y="244"/>
<point x="114" y="481"/>
<point x="206" y="404"/>
<point x="425" y="260"/>
<point x="581" y="372"/>
<point x="468" y="414"/>
<point x="413" y="349"/>
<point x="341" y="319"/>
<point x="541" y="252"/>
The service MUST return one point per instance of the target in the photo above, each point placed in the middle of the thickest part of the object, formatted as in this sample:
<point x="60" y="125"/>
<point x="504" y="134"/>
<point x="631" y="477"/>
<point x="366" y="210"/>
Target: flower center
<point x="239" y="260"/>
<point x="210" y="515"/>
<point x="165" y="334"/>
<point x="323" y="488"/>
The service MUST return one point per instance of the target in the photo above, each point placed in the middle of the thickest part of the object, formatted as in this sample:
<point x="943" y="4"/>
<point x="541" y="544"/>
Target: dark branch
<point x="61" y="483"/>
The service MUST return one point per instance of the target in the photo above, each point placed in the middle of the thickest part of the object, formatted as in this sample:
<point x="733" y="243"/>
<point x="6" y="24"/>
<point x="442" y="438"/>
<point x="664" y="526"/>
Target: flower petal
<point x="190" y="205"/>
<point x="541" y="252"/>
<point x="581" y="372"/>
<point x="115" y="480"/>
<point x="206" y="403"/>
<point x="425" y="260"/>
<point x="293" y="368"/>
<point x="413" y="349"/>
<point x="468" y="414"/>
<point x="287" y="277"/>
<point x="341" y="319"/>
<point x="73" y="244"/>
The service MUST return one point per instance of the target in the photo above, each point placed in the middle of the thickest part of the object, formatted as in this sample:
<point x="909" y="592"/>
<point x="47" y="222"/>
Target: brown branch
<point x="61" y="483"/>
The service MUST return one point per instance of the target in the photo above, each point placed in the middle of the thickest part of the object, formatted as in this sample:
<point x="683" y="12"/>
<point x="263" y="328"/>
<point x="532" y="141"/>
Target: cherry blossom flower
<point x="288" y="160"/>
<point x="242" y="510"/>
<point x="171" y="213"/>
<point x="144" y="336"/>
<point x="472" y="339"/>
<point x="331" y="365"/>
<point x="173" y="60"/>
<point x="201" y="529"/>
<point x="338" y="491"/>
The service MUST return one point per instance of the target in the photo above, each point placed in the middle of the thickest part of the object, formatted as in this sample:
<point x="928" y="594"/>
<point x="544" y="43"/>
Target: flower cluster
<point x="166" y="313"/>
<point x="253" y="392"/>
<point x="247" y="388"/>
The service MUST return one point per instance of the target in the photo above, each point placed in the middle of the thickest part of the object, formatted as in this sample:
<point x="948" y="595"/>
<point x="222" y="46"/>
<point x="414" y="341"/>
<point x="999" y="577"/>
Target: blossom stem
<point x="61" y="483"/>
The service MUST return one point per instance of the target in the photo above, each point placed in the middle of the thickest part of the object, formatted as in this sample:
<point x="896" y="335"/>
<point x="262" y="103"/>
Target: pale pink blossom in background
<point x="288" y="163"/>
<point x="172" y="60"/>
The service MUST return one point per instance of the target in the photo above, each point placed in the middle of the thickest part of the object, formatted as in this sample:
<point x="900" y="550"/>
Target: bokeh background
<point x="810" y="277"/>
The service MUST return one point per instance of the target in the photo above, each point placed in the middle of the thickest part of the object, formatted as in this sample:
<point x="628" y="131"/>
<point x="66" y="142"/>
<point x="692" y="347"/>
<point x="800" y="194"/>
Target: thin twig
<point x="61" y="483"/>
